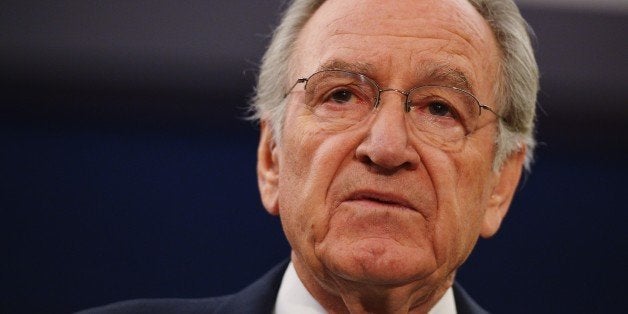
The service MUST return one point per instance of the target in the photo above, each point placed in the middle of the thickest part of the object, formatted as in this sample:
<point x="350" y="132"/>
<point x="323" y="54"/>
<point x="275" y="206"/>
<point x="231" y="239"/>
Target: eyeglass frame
<point x="406" y="93"/>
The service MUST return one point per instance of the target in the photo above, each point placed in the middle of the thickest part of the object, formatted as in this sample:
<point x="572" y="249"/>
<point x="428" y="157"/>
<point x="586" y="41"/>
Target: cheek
<point x="309" y="161"/>
<point x="476" y="170"/>
<point x="459" y="181"/>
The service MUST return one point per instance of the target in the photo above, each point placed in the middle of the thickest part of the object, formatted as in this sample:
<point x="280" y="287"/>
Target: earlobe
<point x="503" y="192"/>
<point x="267" y="169"/>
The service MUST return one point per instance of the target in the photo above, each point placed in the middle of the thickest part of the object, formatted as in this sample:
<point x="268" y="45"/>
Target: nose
<point x="387" y="145"/>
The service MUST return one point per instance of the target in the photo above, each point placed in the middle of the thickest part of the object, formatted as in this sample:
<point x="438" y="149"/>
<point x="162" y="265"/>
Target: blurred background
<point x="127" y="171"/>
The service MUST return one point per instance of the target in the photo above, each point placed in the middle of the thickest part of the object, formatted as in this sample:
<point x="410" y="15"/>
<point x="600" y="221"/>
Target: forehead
<point x="387" y="36"/>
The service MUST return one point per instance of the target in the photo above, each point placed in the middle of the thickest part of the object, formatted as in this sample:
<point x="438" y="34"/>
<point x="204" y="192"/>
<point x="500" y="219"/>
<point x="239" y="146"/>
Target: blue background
<point x="126" y="170"/>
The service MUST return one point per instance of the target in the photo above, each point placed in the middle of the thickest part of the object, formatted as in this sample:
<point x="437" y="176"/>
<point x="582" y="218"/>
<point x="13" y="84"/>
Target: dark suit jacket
<point x="258" y="298"/>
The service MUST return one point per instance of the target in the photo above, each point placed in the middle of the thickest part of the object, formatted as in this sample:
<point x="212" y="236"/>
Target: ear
<point x="507" y="180"/>
<point x="268" y="169"/>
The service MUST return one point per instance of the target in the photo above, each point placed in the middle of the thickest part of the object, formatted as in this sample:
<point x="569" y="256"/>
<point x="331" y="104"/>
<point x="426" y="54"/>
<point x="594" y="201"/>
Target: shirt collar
<point x="293" y="297"/>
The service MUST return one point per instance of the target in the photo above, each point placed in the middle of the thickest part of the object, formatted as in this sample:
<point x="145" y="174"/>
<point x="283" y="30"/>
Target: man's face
<point x="375" y="203"/>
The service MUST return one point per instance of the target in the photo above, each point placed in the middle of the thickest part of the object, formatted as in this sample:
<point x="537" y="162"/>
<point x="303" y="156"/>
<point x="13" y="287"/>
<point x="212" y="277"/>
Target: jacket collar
<point x="259" y="297"/>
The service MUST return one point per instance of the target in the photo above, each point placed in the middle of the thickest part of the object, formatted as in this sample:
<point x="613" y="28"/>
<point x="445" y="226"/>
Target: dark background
<point x="126" y="170"/>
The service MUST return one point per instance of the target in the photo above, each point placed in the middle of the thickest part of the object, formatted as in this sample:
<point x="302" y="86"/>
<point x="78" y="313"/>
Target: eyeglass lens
<point x="341" y="99"/>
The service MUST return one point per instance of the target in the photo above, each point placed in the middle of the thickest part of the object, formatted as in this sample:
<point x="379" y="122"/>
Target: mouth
<point x="376" y="200"/>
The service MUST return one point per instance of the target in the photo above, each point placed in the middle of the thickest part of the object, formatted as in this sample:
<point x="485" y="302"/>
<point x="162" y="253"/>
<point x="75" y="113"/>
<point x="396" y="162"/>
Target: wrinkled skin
<point x="378" y="219"/>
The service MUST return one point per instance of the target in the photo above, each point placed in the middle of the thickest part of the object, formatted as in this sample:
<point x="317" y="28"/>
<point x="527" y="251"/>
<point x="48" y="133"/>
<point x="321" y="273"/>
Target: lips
<point x="375" y="198"/>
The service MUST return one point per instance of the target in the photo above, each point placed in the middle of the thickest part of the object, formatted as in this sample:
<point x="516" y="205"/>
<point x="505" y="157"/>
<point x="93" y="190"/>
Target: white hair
<point x="515" y="91"/>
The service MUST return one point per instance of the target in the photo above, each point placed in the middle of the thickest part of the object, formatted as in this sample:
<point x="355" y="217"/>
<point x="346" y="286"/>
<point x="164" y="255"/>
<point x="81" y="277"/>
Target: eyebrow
<point x="437" y="73"/>
<point x="443" y="74"/>
<point x="335" y="64"/>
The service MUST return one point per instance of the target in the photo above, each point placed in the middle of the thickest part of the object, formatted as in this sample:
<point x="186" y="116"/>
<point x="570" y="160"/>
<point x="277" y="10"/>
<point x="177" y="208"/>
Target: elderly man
<point x="393" y="136"/>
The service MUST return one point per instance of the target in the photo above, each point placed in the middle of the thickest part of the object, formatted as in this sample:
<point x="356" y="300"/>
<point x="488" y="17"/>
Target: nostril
<point x="365" y="159"/>
<point x="383" y="168"/>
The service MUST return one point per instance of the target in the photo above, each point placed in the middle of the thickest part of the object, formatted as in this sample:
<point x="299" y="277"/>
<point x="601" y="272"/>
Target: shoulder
<point x="259" y="297"/>
<point x="157" y="306"/>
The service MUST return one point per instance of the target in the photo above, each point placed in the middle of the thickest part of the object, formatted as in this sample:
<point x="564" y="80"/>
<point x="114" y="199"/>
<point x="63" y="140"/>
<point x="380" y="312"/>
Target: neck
<point x="338" y="295"/>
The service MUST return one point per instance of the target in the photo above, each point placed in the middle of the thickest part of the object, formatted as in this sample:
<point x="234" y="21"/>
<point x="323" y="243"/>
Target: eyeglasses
<point x="341" y="99"/>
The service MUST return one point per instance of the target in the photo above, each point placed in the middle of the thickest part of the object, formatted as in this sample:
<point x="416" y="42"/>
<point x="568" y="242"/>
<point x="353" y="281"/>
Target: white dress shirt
<point x="293" y="297"/>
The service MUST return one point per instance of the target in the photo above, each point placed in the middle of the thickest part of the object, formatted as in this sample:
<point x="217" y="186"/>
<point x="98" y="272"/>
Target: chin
<point x="379" y="261"/>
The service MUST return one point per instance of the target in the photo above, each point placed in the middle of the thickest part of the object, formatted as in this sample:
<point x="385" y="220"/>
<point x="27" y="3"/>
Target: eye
<point x="341" y="96"/>
<point x="440" y="109"/>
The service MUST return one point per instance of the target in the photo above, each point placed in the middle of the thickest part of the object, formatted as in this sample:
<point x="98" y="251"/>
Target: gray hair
<point x="516" y="89"/>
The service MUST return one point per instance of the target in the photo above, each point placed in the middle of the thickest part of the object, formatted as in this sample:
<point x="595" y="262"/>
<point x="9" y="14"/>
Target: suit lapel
<point x="259" y="297"/>
<point x="464" y="303"/>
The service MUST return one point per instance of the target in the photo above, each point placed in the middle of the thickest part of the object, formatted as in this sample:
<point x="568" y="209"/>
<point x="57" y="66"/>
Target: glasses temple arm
<point x="301" y="80"/>
<point x="491" y="110"/>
